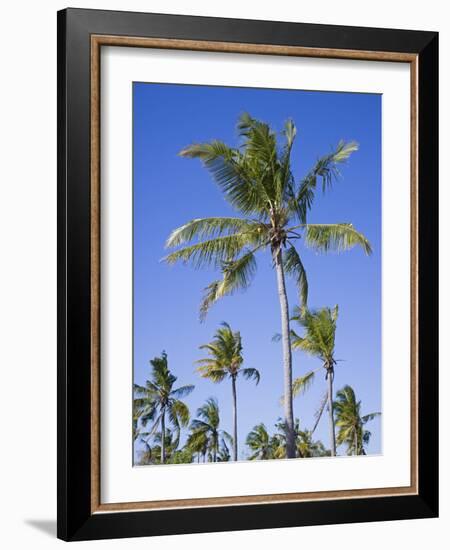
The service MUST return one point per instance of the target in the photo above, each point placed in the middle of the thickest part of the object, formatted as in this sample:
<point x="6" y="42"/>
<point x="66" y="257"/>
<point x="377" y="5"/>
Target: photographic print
<point x="247" y="266"/>
<point x="256" y="274"/>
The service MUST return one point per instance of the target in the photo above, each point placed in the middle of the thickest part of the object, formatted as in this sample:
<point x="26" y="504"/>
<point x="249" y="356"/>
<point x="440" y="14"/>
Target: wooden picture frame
<point x="81" y="35"/>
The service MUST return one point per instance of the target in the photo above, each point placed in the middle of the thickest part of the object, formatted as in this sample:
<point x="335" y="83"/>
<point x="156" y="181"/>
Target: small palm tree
<point x="197" y="442"/>
<point x="260" y="443"/>
<point x="225" y="361"/>
<point x="257" y="180"/>
<point x="318" y="340"/>
<point x="170" y="445"/>
<point x="207" y="424"/>
<point x="159" y="399"/>
<point x="224" y="452"/>
<point x="308" y="447"/>
<point x="350" y="423"/>
<point x="182" y="456"/>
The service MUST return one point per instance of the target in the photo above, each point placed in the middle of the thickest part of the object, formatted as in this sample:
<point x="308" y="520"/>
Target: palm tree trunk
<point x="330" y="412"/>
<point x="235" y="440"/>
<point x="163" y="436"/>
<point x="287" y="355"/>
<point x="215" y="451"/>
<point x="355" y="441"/>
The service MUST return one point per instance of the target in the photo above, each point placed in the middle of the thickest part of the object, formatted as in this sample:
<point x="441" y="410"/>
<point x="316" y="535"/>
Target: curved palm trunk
<point x="163" y="436"/>
<point x="235" y="440"/>
<point x="330" y="412"/>
<point x="287" y="355"/>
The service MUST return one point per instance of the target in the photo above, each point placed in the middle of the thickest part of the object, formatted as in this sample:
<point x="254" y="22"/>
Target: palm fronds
<point x="337" y="237"/>
<point x="294" y="267"/>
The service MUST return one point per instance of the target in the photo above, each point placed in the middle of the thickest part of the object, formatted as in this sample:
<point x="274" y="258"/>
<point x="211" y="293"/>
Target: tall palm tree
<point x="225" y="361"/>
<point x="318" y="340"/>
<point x="260" y="443"/>
<point x="257" y="180"/>
<point x="350" y="423"/>
<point x="207" y="424"/>
<point x="159" y="399"/>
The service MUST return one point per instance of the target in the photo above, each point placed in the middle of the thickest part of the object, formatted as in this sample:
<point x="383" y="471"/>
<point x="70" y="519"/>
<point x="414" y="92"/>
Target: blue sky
<point x="170" y="190"/>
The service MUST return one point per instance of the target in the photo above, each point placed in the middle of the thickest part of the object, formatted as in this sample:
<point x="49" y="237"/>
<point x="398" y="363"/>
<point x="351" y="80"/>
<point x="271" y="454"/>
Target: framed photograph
<point x="247" y="253"/>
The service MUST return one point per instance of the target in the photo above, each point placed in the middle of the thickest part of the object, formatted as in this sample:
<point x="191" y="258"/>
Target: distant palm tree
<point x="308" y="447"/>
<point x="158" y="399"/>
<point x="265" y="446"/>
<point x="171" y="442"/>
<point x="257" y="180"/>
<point x="225" y="361"/>
<point x="224" y="452"/>
<point x="260" y="443"/>
<point x="350" y="423"/>
<point x="207" y="424"/>
<point x="197" y="442"/>
<point x="318" y="340"/>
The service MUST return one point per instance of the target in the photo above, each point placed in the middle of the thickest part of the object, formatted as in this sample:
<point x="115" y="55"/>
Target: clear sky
<point x="170" y="190"/>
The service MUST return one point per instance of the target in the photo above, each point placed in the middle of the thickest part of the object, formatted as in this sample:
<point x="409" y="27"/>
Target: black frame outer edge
<point x="75" y="521"/>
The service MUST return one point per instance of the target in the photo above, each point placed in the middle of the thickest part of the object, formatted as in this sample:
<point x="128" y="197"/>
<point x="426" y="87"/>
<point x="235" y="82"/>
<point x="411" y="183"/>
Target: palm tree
<point x="198" y="443"/>
<point x="350" y="423"/>
<point x="225" y="361"/>
<point x="318" y="340"/>
<point x="224" y="452"/>
<point x="308" y="447"/>
<point x="260" y="443"/>
<point x="207" y="424"/>
<point x="170" y="444"/>
<point x="265" y="447"/>
<point x="279" y="439"/>
<point x="158" y="399"/>
<point x="257" y="181"/>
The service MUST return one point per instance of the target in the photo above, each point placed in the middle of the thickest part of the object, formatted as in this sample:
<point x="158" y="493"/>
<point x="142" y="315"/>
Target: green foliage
<point x="337" y="237"/>
<point x="306" y="447"/>
<point x="294" y="267"/>
<point x="260" y="443"/>
<point x="206" y="433"/>
<point x="350" y="423"/>
<point x="159" y="398"/>
<point x="319" y="328"/>
<point x="225" y="357"/>
<point x="318" y="339"/>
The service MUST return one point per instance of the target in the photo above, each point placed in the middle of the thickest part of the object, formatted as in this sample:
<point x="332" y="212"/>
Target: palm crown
<point x="257" y="181"/>
<point x="225" y="357"/>
<point x="159" y="398"/>
<point x="260" y="443"/>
